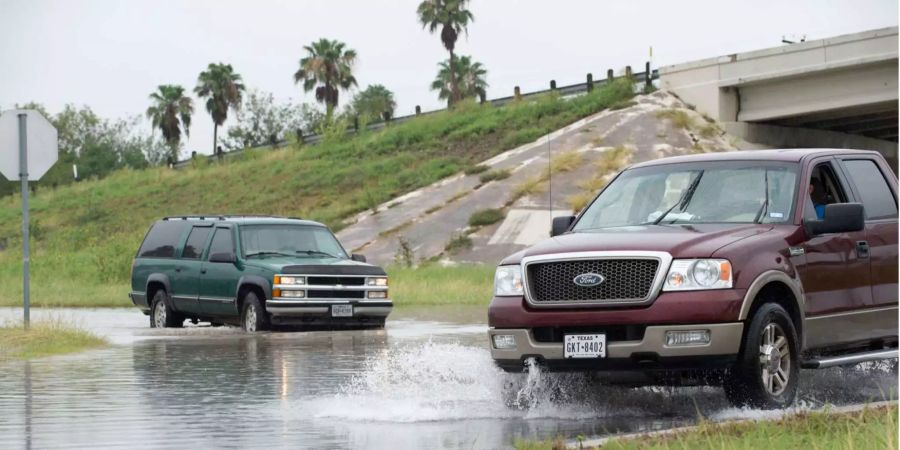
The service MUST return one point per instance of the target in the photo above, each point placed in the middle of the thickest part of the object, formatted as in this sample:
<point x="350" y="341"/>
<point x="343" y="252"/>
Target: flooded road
<point x="426" y="381"/>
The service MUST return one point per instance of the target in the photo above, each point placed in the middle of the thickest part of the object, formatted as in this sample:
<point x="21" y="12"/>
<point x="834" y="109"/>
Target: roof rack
<point x="225" y="216"/>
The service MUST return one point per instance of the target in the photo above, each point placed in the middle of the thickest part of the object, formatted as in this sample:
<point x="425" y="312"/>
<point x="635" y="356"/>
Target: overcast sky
<point x="110" y="54"/>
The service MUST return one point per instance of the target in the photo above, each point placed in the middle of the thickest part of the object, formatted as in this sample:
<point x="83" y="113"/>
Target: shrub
<point x="474" y="170"/>
<point x="458" y="242"/>
<point x="494" y="175"/>
<point x="485" y="217"/>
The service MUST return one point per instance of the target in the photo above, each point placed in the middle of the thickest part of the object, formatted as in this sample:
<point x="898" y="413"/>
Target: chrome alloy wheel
<point x="159" y="315"/>
<point x="774" y="359"/>
<point x="250" y="319"/>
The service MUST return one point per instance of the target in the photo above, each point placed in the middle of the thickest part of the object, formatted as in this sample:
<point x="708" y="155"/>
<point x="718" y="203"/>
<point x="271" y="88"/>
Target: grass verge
<point x="438" y="285"/>
<point x="45" y="338"/>
<point x="870" y="428"/>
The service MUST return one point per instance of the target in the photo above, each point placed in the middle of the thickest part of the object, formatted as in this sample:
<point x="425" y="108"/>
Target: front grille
<point x="335" y="294"/>
<point x="627" y="280"/>
<point x="334" y="281"/>
<point x="614" y="333"/>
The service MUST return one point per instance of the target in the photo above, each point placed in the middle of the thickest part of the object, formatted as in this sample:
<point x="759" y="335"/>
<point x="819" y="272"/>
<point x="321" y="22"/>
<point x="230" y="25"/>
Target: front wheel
<point x="253" y="316"/>
<point x="766" y="373"/>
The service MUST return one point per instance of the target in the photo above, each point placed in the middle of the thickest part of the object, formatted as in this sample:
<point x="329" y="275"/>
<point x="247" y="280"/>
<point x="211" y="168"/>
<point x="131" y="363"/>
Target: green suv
<point x="254" y="271"/>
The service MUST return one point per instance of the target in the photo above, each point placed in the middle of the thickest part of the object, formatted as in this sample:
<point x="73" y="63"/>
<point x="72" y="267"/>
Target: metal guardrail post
<point x="610" y="75"/>
<point x="590" y="82"/>
<point x="553" y="85"/>
<point x="517" y="93"/>
<point x="648" y="75"/>
<point x="628" y="72"/>
<point x="418" y="110"/>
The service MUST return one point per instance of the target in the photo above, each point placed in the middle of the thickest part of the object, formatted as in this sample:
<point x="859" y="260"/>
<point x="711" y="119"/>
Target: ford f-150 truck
<point x="737" y="268"/>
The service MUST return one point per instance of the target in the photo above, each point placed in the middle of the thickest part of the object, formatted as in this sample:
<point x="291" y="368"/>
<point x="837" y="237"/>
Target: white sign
<point x="41" y="139"/>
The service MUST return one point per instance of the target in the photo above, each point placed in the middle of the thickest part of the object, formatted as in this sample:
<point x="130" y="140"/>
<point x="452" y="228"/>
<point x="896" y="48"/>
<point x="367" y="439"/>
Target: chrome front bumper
<point x="725" y="339"/>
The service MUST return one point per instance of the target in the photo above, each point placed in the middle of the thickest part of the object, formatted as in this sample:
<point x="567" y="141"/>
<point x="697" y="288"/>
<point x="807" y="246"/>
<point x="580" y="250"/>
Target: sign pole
<point x="23" y="175"/>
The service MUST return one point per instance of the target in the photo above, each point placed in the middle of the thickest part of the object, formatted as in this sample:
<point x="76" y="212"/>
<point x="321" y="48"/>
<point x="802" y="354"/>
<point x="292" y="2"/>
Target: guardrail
<point x="646" y="77"/>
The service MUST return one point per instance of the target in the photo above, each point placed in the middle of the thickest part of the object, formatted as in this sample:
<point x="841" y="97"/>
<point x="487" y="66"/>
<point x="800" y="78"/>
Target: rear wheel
<point x="161" y="315"/>
<point x="766" y="373"/>
<point x="253" y="316"/>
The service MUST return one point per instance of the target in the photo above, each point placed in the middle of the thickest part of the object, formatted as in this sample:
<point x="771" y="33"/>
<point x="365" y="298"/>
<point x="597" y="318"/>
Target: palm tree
<point x="469" y="76"/>
<point x="171" y="113"/>
<point x="327" y="67"/>
<point x="453" y="18"/>
<point x="373" y="102"/>
<point x="222" y="88"/>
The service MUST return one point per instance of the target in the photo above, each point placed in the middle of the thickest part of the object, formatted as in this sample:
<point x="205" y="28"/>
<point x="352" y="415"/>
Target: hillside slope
<point x="85" y="235"/>
<point x="437" y="222"/>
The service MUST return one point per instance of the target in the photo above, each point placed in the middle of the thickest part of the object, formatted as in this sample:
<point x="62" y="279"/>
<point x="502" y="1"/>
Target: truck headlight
<point x="290" y="280"/>
<point x="377" y="281"/>
<point x="508" y="281"/>
<point x="698" y="274"/>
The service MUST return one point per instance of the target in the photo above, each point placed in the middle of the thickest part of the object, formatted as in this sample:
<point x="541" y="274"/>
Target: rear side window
<point x="873" y="188"/>
<point x="193" y="248"/>
<point x="162" y="239"/>
<point x="221" y="242"/>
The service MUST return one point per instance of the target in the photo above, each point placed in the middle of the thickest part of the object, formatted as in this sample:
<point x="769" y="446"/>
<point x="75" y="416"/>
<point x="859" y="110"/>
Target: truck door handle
<point x="178" y="269"/>
<point x="202" y="270"/>
<point x="862" y="249"/>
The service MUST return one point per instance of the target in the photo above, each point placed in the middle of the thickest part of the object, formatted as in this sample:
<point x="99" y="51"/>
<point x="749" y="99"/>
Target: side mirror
<point x="561" y="225"/>
<point x="358" y="257"/>
<point x="222" y="257"/>
<point x="839" y="218"/>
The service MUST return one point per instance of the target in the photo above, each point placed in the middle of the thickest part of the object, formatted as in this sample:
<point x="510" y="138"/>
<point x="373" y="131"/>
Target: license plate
<point x="585" y="346"/>
<point x="341" y="310"/>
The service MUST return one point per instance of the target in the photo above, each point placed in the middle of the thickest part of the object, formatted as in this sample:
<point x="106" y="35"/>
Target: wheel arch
<point x="255" y="284"/>
<point x="156" y="282"/>
<point x="777" y="287"/>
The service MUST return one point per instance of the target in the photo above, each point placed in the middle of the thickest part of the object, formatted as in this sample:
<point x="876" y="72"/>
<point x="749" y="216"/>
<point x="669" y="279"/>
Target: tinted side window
<point x="873" y="188"/>
<point x="162" y="239"/>
<point x="221" y="242"/>
<point x="193" y="248"/>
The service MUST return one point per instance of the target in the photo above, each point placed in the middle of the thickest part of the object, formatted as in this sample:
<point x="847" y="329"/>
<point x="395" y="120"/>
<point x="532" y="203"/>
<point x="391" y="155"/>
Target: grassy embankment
<point x="85" y="235"/>
<point x="871" y="428"/>
<point x="45" y="338"/>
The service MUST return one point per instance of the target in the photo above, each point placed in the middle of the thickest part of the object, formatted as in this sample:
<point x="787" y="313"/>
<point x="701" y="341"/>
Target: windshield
<point x="732" y="192"/>
<point x="289" y="240"/>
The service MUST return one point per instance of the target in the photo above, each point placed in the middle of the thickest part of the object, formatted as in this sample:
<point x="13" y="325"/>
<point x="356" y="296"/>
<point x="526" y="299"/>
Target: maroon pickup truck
<point x="737" y="268"/>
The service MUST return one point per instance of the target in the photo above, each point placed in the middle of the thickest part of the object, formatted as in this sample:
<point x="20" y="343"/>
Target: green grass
<point x="476" y="169"/>
<point x="437" y="285"/>
<point x="485" y="217"/>
<point x="86" y="234"/>
<point x="871" y="428"/>
<point x="45" y="338"/>
<point x="458" y="242"/>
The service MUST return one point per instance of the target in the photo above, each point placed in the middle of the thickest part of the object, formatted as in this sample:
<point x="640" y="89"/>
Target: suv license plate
<point x="585" y="346"/>
<point x="341" y="310"/>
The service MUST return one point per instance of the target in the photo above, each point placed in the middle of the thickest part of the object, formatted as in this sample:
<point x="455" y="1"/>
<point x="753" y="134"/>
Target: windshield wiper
<point x="684" y="200"/>
<point x="765" y="206"/>
<point x="265" y="253"/>
<point x="316" y="252"/>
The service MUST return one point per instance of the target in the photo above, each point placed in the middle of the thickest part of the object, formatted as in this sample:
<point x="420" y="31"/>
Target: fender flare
<point x="254" y="280"/>
<point x="794" y="284"/>
<point x="162" y="279"/>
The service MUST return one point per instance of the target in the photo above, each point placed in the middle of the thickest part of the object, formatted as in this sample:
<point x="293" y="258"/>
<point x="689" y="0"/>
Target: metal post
<point x="23" y="175"/>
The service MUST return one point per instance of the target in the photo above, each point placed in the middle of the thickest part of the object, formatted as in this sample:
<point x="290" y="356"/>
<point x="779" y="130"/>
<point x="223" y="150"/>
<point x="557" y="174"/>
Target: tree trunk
<point x="329" y="106"/>
<point x="454" y="89"/>
<point x="215" y="137"/>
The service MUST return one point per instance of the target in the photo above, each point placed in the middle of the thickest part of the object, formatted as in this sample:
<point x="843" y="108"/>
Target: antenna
<point x="550" y="178"/>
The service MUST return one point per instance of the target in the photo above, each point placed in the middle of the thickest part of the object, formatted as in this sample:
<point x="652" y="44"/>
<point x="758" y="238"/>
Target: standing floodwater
<point x="420" y="383"/>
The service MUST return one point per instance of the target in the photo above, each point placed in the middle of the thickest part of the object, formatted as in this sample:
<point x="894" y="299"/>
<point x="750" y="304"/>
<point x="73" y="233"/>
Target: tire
<point x="161" y="314"/>
<point x="768" y="367"/>
<point x="253" y="316"/>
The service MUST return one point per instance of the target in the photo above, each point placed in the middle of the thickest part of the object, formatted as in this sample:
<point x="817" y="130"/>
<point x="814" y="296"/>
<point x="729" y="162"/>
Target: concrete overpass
<point x="834" y="92"/>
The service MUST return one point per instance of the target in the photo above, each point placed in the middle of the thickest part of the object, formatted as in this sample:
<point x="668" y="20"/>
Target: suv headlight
<point x="508" y="281"/>
<point x="698" y="274"/>
<point x="290" y="280"/>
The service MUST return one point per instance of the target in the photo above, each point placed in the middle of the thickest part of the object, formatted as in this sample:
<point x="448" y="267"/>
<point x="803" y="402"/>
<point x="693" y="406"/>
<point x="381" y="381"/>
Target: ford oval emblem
<point x="589" y="279"/>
